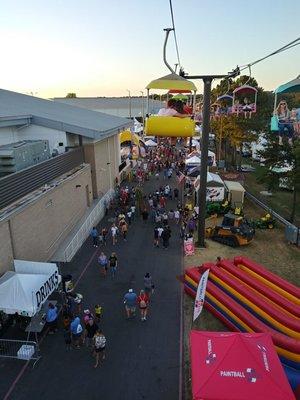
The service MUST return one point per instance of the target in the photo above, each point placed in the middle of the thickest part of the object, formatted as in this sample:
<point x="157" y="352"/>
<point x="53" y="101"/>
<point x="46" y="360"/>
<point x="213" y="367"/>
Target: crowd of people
<point x="162" y="207"/>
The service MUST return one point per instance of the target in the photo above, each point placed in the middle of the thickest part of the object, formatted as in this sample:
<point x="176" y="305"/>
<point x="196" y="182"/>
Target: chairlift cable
<point x="288" y="46"/>
<point x="174" y="30"/>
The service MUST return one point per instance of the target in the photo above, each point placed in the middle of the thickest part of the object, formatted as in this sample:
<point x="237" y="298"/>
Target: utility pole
<point x="129" y="95"/>
<point x="207" y="80"/>
<point x="143" y="112"/>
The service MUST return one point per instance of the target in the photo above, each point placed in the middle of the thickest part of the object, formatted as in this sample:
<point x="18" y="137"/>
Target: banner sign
<point x="46" y="289"/>
<point x="200" y="296"/>
<point x="189" y="247"/>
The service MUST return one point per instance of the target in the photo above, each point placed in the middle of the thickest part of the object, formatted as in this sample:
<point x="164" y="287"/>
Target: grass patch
<point x="281" y="201"/>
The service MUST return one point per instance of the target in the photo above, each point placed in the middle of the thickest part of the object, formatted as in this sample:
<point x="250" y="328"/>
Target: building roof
<point x="60" y="116"/>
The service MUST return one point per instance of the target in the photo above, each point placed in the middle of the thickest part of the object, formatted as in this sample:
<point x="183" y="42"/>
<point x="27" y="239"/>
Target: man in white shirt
<point x="114" y="231"/>
<point x="160" y="231"/>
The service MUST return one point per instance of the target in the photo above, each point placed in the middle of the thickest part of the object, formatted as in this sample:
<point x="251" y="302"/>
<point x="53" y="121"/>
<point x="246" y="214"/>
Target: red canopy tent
<point x="236" y="366"/>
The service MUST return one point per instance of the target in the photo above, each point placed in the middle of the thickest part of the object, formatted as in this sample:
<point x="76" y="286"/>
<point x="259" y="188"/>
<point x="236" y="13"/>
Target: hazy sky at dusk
<point x="98" y="48"/>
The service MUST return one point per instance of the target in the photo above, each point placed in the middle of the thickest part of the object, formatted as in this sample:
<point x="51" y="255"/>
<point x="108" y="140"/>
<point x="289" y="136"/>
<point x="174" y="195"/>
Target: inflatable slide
<point x="247" y="297"/>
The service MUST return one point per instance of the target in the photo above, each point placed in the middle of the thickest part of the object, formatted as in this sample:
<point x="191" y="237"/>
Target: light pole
<point x="142" y="104"/>
<point x="129" y="95"/>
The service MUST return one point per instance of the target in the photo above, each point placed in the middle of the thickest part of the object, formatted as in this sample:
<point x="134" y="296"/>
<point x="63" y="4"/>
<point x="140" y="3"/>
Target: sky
<point x="104" y="48"/>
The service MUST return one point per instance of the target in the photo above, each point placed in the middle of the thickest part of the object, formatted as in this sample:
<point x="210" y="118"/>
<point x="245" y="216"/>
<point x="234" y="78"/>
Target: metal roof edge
<point x="79" y="130"/>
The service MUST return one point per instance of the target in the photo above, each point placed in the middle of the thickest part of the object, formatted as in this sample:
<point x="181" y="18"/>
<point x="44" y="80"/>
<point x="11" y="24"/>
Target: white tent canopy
<point x="150" y="143"/>
<point x="24" y="290"/>
<point x="193" y="161"/>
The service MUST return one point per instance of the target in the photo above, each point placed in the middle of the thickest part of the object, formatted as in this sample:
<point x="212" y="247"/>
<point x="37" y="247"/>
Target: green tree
<point x="71" y="96"/>
<point x="277" y="157"/>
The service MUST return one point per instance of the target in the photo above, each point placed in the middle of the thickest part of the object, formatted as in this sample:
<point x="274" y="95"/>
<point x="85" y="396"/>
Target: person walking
<point x="143" y="302"/>
<point x="166" y="234"/>
<point x="90" y="330"/>
<point x="76" y="331"/>
<point x="67" y="337"/>
<point x="132" y="208"/>
<point x="145" y="215"/>
<point x="99" y="346"/>
<point x="94" y="235"/>
<point x="130" y="300"/>
<point x="177" y="216"/>
<point x="104" y="233"/>
<point x="124" y="229"/>
<point x="103" y="262"/>
<point x="176" y="193"/>
<point x="114" y="231"/>
<point x="148" y="284"/>
<point x="98" y="312"/>
<point x="51" y="318"/>
<point x="156" y="237"/>
<point x="129" y="215"/>
<point x="113" y="263"/>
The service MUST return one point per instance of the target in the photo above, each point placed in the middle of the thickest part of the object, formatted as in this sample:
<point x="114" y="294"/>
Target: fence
<point x="83" y="232"/>
<point x="292" y="232"/>
<point x="19" y="349"/>
<point x="19" y="184"/>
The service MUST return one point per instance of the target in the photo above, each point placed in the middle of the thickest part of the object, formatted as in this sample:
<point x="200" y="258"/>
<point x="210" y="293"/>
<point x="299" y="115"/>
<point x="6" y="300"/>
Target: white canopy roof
<point x="150" y="143"/>
<point x="214" y="178"/>
<point x="24" y="290"/>
<point x="193" y="161"/>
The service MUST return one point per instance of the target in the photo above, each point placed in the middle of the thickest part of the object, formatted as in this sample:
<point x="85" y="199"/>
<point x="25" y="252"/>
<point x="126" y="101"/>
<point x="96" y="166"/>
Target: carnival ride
<point x="284" y="121"/>
<point x="247" y="297"/>
<point x="248" y="106"/>
<point x="166" y="126"/>
<point x="170" y="126"/>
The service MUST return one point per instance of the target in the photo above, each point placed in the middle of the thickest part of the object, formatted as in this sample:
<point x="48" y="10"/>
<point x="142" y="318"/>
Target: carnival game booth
<point x="27" y="288"/>
<point x="236" y="366"/>
<point x="215" y="190"/>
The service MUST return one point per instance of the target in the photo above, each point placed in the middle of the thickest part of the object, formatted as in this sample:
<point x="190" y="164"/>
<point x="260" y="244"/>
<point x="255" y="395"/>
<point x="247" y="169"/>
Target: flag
<point x="200" y="296"/>
<point x="181" y="178"/>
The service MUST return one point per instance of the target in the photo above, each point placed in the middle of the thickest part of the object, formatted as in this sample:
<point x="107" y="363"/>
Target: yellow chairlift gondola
<point x="128" y="136"/>
<point x="170" y="126"/>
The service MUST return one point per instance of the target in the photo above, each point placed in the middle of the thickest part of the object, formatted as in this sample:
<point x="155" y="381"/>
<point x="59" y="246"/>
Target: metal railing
<point x="292" y="232"/>
<point x="92" y="219"/>
<point x="19" y="184"/>
<point x="19" y="349"/>
<point x="268" y="209"/>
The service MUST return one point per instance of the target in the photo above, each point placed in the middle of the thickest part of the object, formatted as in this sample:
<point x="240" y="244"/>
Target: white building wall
<point x="34" y="132"/>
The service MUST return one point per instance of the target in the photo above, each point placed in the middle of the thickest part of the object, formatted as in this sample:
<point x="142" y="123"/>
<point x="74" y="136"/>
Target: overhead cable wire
<point x="174" y="30"/>
<point x="288" y="46"/>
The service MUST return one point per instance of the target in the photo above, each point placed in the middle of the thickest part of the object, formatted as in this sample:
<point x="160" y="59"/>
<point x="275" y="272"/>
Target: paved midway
<point x="143" y="358"/>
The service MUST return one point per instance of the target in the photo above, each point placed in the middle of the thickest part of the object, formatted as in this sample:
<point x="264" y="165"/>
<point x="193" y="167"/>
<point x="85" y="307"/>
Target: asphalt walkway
<point x="142" y="358"/>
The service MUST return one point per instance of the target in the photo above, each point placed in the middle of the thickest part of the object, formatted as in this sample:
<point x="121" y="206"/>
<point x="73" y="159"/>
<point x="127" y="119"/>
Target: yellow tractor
<point x="234" y="231"/>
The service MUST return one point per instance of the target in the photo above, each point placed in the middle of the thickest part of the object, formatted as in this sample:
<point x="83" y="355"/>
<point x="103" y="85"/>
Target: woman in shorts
<point x="99" y="346"/>
<point x="143" y="302"/>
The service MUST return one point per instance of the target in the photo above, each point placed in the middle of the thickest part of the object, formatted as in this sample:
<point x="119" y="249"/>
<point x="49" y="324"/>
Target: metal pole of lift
<point x="204" y="159"/>
<point x="207" y="80"/>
